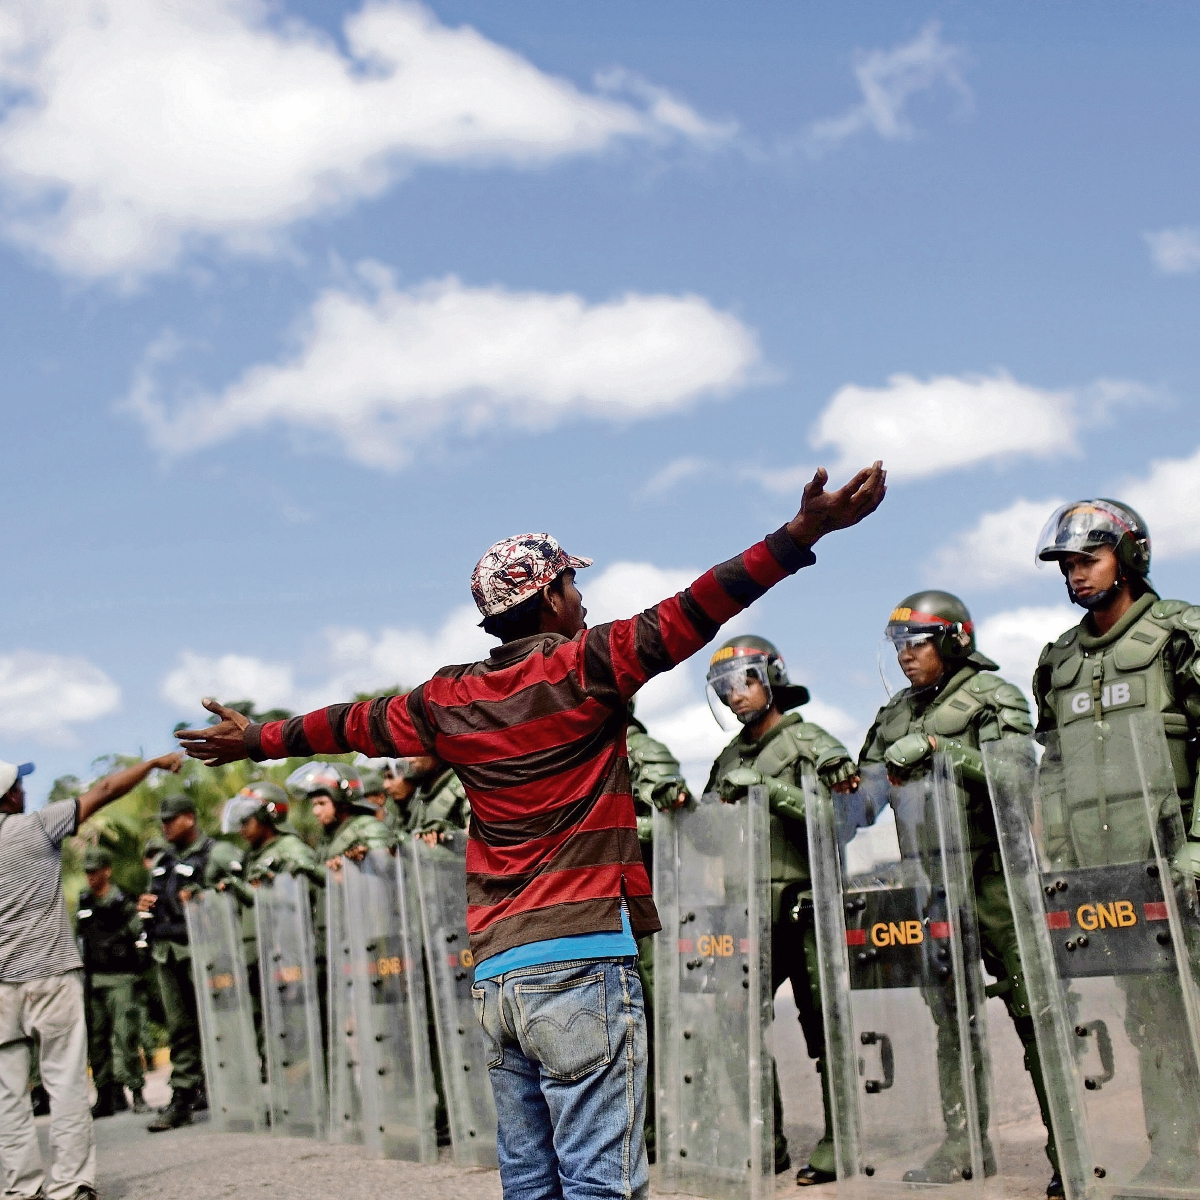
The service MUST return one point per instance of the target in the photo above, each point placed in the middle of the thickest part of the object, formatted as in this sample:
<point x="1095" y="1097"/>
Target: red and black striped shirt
<point x="536" y="733"/>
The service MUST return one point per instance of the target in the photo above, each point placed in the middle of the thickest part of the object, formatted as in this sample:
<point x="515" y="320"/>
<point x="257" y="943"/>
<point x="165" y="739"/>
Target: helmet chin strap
<point x="750" y="718"/>
<point x="1102" y="599"/>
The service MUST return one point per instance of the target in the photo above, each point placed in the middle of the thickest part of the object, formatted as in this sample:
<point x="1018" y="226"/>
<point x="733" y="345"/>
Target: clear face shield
<point x="1080" y="528"/>
<point x="896" y="638"/>
<point x="236" y="811"/>
<point x="314" y="777"/>
<point x="732" y="682"/>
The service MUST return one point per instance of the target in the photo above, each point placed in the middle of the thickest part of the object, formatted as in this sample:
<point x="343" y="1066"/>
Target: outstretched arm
<point x="398" y="726"/>
<point x="119" y="783"/>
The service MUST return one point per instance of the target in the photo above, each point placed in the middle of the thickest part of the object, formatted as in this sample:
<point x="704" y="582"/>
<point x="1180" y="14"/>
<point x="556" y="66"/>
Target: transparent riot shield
<point x="1109" y="932"/>
<point x="901" y="985"/>
<point x="291" y="1008"/>
<point x="345" y="1058"/>
<point x="231" y="1065"/>
<point x="712" y="999"/>
<point x="442" y="881"/>
<point x="388" y="989"/>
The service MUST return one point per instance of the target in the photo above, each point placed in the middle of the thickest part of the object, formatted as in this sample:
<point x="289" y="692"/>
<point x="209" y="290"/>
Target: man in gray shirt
<point x="41" y="987"/>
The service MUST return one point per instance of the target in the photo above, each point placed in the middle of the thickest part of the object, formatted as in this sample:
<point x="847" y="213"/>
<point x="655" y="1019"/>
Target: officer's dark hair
<point x="525" y="619"/>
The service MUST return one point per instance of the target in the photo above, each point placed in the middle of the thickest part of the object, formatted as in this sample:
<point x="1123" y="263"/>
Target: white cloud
<point x="921" y="428"/>
<point x="230" y="677"/>
<point x="1015" y="639"/>
<point x="1175" y="251"/>
<point x="997" y="550"/>
<point x="135" y="127"/>
<point x="43" y="695"/>
<point x="384" y="369"/>
<point x="674" y="473"/>
<point x="889" y="79"/>
<point x="1168" y="499"/>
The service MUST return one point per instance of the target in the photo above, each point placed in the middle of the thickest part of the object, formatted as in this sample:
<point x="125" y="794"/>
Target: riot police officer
<point x="177" y="875"/>
<point x="748" y="677"/>
<point x="348" y="822"/>
<point x="259" y="813"/>
<point x="108" y="930"/>
<point x="954" y="703"/>
<point x="440" y="802"/>
<point x="1132" y="651"/>
<point x="656" y="780"/>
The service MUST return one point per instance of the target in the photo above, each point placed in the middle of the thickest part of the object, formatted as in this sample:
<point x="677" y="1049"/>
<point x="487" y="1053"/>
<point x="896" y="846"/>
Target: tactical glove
<point x="784" y="798"/>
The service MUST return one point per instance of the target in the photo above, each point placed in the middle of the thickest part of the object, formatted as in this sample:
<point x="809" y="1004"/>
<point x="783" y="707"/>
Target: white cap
<point x="11" y="772"/>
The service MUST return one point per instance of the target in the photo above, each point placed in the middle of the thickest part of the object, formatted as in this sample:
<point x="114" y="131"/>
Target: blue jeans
<point x="567" y="1062"/>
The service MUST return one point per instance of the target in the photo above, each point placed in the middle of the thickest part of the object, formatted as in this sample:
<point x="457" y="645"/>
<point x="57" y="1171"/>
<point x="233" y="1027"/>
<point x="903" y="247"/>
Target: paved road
<point x="194" y="1163"/>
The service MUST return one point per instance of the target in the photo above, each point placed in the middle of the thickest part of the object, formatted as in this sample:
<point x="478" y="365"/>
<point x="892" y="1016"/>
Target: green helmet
<point x="372" y="782"/>
<point x="1085" y="526"/>
<point x="942" y="618"/>
<point x="341" y="783"/>
<point x="749" y="657"/>
<point x="262" y="799"/>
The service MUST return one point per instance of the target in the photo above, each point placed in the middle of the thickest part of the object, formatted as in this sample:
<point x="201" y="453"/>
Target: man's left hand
<point x="216" y="745"/>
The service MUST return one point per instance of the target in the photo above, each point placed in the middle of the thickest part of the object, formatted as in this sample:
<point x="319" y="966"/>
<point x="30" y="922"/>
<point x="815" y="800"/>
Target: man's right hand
<point x="822" y="512"/>
<point x="216" y="745"/>
<point x="146" y="902"/>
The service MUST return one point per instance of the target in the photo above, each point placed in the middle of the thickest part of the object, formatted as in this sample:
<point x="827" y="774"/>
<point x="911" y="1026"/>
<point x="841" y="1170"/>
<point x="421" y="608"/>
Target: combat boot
<point x="104" y="1106"/>
<point x="139" y="1102"/>
<point x="179" y="1112"/>
<point x="120" y="1103"/>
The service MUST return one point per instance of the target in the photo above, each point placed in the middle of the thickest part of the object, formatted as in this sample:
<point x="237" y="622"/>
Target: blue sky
<point x="305" y="305"/>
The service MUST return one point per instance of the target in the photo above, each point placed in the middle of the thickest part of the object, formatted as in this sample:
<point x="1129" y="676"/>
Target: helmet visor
<point x="237" y="811"/>
<point x="901" y="635"/>
<point x="726" y="679"/>
<point x="315" y="777"/>
<point x="1080" y="528"/>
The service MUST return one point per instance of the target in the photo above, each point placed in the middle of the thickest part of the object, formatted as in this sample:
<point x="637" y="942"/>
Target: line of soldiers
<point x="120" y="935"/>
<point x="1133" y="650"/>
<point x="1145" y="651"/>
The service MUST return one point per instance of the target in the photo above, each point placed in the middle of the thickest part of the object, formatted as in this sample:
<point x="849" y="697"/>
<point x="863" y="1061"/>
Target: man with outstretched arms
<point x="955" y="703"/>
<point x="1132" y="652"/>
<point x="747" y="676"/>
<point x="556" y="886"/>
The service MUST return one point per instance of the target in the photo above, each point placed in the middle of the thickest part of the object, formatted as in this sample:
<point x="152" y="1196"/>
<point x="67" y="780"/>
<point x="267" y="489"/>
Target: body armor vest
<point x="777" y="756"/>
<point x="1092" y="682"/>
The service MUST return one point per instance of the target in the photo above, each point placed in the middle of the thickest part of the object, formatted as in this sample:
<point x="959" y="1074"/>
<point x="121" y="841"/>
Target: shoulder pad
<point x="1167" y="608"/>
<point x="1068" y="638"/>
<point x="646" y="749"/>
<point x="1189" y="618"/>
<point x="983" y="683"/>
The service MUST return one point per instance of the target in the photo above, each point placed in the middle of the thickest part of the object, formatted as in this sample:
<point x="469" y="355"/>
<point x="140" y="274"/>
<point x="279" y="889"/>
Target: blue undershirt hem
<point x="578" y="946"/>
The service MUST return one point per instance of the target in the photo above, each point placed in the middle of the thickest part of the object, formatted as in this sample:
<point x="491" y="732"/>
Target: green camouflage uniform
<point x="107" y="931"/>
<point x="437" y="807"/>
<point x="440" y="805"/>
<point x="656" y="781"/>
<point x="174" y="872"/>
<point x="1148" y="661"/>
<point x="969" y="707"/>
<point x="778" y="757"/>
<point x="357" y="830"/>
